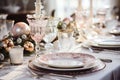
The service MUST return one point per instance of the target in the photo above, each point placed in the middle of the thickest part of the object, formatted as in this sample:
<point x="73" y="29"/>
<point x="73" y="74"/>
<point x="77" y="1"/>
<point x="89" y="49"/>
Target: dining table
<point x="111" y="71"/>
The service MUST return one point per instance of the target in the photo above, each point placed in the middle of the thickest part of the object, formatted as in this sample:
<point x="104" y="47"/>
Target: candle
<point x="16" y="55"/>
<point x="80" y="5"/>
<point x="91" y="11"/>
<point x="37" y="8"/>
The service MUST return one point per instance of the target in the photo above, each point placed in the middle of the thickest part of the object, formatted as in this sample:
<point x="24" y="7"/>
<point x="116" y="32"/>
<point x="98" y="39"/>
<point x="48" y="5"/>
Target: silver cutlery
<point x="106" y="60"/>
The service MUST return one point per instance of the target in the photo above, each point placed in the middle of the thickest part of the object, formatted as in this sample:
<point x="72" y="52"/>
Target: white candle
<point x="16" y="55"/>
<point x="37" y="8"/>
<point x="80" y="5"/>
<point x="91" y="11"/>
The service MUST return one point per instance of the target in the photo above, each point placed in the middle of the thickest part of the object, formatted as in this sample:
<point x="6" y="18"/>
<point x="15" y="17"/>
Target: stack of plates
<point x="115" y="32"/>
<point x="66" y="62"/>
<point x="106" y="43"/>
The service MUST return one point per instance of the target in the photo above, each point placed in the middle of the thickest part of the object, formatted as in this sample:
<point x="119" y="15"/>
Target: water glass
<point x="65" y="40"/>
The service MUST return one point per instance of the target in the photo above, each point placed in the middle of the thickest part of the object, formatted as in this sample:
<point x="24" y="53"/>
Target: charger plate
<point x="91" y="64"/>
<point x="38" y="70"/>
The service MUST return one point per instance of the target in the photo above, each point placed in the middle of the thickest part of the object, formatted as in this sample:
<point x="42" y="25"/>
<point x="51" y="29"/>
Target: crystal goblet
<point x="37" y="27"/>
<point x="50" y="33"/>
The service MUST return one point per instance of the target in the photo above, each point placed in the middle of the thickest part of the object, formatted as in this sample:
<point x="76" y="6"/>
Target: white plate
<point x="105" y="43"/>
<point x="109" y="42"/>
<point x="104" y="46"/>
<point x="114" y="31"/>
<point x="65" y="61"/>
<point x="86" y="67"/>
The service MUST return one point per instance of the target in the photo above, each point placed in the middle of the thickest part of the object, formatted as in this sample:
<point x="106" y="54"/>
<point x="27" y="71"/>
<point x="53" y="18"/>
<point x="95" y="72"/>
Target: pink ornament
<point x="20" y="28"/>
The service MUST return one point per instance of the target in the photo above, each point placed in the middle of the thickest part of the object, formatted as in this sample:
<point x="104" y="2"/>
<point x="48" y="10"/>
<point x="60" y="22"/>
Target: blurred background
<point x="17" y="9"/>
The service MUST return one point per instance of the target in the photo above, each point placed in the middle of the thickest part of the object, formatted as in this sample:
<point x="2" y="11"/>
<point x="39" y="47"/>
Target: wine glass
<point x="50" y="33"/>
<point x="9" y="24"/>
<point x="101" y="17"/>
<point x="3" y="29"/>
<point x="82" y="22"/>
<point x="37" y="30"/>
<point x="3" y="26"/>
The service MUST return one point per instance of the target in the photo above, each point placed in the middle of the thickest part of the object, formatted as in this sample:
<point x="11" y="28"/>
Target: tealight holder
<point x="16" y="55"/>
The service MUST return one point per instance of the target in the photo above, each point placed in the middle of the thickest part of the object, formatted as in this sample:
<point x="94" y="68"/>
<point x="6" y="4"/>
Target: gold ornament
<point x="8" y="44"/>
<point x="29" y="46"/>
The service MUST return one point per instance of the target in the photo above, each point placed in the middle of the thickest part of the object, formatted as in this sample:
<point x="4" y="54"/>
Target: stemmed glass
<point x="3" y="29"/>
<point x="5" y="25"/>
<point x="82" y="22"/>
<point x="37" y="30"/>
<point x="50" y="32"/>
<point x="101" y="15"/>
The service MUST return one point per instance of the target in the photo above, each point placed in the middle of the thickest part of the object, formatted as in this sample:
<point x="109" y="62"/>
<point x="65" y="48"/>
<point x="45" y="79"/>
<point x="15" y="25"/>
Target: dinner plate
<point x="105" y="43"/>
<point x="66" y="60"/>
<point x="39" y="71"/>
<point x="104" y="46"/>
<point x="79" y="61"/>
<point x="115" y="32"/>
<point x="65" y="63"/>
<point x="93" y="65"/>
<point x="110" y="42"/>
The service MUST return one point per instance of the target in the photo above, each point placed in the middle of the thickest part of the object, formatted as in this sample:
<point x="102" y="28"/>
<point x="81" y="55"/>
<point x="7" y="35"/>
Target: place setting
<point x="59" y="57"/>
<point x="66" y="64"/>
<point x="103" y="43"/>
<point x="108" y="44"/>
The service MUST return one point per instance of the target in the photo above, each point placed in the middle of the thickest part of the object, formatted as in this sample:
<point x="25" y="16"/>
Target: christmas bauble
<point x="66" y="21"/>
<point x="8" y="44"/>
<point x="29" y="46"/>
<point x="20" y="28"/>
